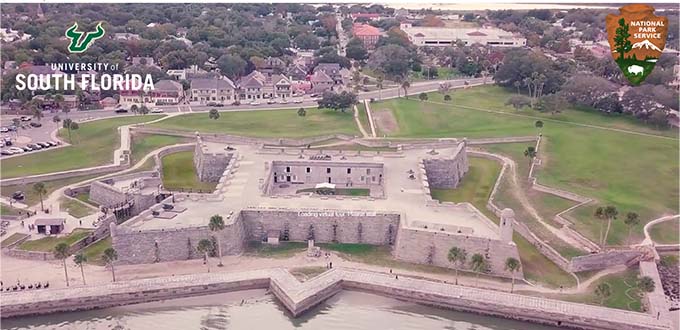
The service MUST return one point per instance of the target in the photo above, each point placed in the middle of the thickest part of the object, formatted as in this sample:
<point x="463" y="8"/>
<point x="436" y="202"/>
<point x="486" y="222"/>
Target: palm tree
<point x="302" y="112"/>
<point x="61" y="252"/>
<point x="607" y="213"/>
<point x="214" y="114"/>
<point x="59" y="100"/>
<point x="646" y="284"/>
<point x="56" y="119"/>
<point x="632" y="220"/>
<point x="67" y="126"/>
<point x="134" y="108"/>
<point x="217" y="224"/>
<point x="110" y="256"/>
<point x="603" y="290"/>
<point x="205" y="246"/>
<point x="530" y="153"/>
<point x="37" y="113"/>
<point x="80" y="259"/>
<point x="457" y="257"/>
<point x="517" y="84"/>
<point x="512" y="265"/>
<point x="379" y="84"/>
<point x="39" y="188"/>
<point x="479" y="265"/>
<point x="405" y="85"/>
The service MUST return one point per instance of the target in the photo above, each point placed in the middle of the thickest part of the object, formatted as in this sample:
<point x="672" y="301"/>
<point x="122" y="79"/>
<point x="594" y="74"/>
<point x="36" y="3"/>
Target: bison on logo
<point x="637" y="38"/>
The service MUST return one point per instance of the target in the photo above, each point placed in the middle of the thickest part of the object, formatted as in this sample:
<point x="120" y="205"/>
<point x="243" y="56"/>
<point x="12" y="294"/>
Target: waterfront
<point x="255" y="309"/>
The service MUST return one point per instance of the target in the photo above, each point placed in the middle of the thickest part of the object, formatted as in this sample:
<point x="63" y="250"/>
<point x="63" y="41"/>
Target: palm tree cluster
<point x="479" y="264"/>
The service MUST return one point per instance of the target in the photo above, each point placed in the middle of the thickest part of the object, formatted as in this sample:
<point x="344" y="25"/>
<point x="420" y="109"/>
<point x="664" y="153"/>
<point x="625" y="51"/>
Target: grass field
<point x="667" y="232"/>
<point x="142" y="144"/>
<point x="340" y="191"/>
<point x="11" y="239"/>
<point x="476" y="188"/>
<point x="93" y="145"/>
<point x="47" y="244"/>
<point x="624" y="292"/>
<point x="583" y="159"/>
<point x="8" y="210"/>
<point x="282" y="250"/>
<point x="274" y="123"/>
<point x="31" y="197"/>
<point x="75" y="208"/>
<point x="95" y="251"/>
<point x="179" y="173"/>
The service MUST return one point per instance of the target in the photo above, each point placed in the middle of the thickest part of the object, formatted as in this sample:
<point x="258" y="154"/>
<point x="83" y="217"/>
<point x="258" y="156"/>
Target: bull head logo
<point x="637" y="38"/>
<point x="81" y="41"/>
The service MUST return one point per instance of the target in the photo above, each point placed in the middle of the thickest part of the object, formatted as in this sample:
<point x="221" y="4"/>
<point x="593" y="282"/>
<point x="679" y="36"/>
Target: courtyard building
<point x="445" y="37"/>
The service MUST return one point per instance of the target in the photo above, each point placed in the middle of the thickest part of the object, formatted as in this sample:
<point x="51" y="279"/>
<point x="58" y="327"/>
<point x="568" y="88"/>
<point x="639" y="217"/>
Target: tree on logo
<point x="621" y="42"/>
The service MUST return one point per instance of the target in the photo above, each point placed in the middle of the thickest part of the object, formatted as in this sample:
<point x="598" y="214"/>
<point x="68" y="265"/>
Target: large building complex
<point x="443" y="36"/>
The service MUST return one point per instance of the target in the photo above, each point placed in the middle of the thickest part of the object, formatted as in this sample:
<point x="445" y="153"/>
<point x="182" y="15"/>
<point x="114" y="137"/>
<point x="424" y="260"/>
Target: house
<point x="108" y="102"/>
<point x="49" y="226"/>
<point x="69" y="102"/>
<point x="446" y="37"/>
<point x="321" y="82"/>
<point x="9" y="35"/>
<point x="206" y="90"/>
<point x="10" y="65"/>
<point x="297" y="72"/>
<point x="164" y="92"/>
<point x="332" y="70"/>
<point x="144" y="61"/>
<point x="272" y="65"/>
<point x="368" y="34"/>
<point x="193" y="72"/>
<point x="367" y="16"/>
<point x="126" y="36"/>
<point x="257" y="86"/>
<point x="301" y="87"/>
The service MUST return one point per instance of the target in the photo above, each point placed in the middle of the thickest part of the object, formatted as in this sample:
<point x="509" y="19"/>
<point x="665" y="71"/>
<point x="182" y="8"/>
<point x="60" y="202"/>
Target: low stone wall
<point x="432" y="247"/>
<point x="63" y="175"/>
<point x="602" y="260"/>
<point x="209" y="166"/>
<point x="28" y="255"/>
<point x="105" y="194"/>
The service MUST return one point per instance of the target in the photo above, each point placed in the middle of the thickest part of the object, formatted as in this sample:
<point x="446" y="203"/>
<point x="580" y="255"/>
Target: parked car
<point x="18" y="195"/>
<point x="34" y="124"/>
<point x="297" y="101"/>
<point x="283" y="101"/>
<point x="236" y="103"/>
<point x="254" y="103"/>
<point x="121" y="110"/>
<point x="35" y="146"/>
<point x="6" y="152"/>
<point x="12" y="128"/>
<point x="25" y="118"/>
<point x="43" y="144"/>
<point x="271" y="101"/>
<point x="52" y="143"/>
<point x="27" y="148"/>
<point x="17" y="150"/>
<point x="156" y="110"/>
<point x="211" y="104"/>
<point x="4" y="129"/>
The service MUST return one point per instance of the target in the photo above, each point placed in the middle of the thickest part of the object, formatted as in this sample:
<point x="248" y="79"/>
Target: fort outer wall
<point x="446" y="172"/>
<point x="326" y="226"/>
<point x="209" y="166"/>
<point x="150" y="246"/>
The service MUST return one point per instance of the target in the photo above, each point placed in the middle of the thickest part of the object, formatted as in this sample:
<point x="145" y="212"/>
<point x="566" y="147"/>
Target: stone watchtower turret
<point x="507" y="218"/>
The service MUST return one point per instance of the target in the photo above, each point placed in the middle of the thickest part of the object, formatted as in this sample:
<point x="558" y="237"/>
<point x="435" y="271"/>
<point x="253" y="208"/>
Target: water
<point x="347" y="310"/>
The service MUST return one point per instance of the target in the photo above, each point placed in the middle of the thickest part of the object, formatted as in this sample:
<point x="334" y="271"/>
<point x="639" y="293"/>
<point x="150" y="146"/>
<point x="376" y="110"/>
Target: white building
<point x="9" y="35"/>
<point x="442" y="36"/>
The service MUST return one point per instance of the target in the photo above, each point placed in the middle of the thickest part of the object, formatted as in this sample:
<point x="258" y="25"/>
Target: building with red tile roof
<point x="368" y="34"/>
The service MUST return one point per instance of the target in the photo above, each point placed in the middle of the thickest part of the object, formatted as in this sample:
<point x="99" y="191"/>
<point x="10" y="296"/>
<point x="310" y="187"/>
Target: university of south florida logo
<point x="81" y="41"/>
<point x="637" y="38"/>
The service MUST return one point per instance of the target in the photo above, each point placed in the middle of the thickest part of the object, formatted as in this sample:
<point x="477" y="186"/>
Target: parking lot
<point x="30" y="136"/>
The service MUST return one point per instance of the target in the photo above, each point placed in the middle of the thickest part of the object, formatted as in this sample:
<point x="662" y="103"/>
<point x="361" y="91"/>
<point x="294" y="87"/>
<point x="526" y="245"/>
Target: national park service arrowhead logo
<point x="637" y="38"/>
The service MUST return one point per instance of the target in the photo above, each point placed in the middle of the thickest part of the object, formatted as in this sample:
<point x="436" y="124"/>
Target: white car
<point x="254" y="103"/>
<point x="283" y="101"/>
<point x="297" y="101"/>
<point x="17" y="150"/>
<point x="156" y="110"/>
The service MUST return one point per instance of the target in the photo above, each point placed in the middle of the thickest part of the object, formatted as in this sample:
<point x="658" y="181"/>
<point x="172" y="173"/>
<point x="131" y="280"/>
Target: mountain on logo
<point x="646" y="44"/>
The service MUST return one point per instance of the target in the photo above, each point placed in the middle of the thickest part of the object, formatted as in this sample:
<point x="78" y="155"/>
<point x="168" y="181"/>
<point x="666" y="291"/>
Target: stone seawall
<point x="299" y="297"/>
<point x="602" y="260"/>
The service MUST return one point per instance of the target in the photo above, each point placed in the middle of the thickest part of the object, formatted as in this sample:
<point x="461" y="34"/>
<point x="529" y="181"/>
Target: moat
<point x="255" y="309"/>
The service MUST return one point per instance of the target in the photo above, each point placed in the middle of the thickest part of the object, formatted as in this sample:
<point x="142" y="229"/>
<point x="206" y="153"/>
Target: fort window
<point x="328" y="169"/>
<point x="287" y="169"/>
<point x="349" y="171"/>
<point x="309" y="170"/>
<point x="368" y="171"/>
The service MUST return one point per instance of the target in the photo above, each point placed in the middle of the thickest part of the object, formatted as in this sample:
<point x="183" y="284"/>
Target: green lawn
<point x="47" y="244"/>
<point x="142" y="144"/>
<point x="94" y="251"/>
<point x="179" y="173"/>
<point x="341" y="191"/>
<point x="269" y="123"/>
<point x="93" y="145"/>
<point x="476" y="188"/>
<point x="282" y="250"/>
<point x="75" y="208"/>
<point x="624" y="292"/>
<point x="9" y="210"/>
<point x="32" y="198"/>
<point x="586" y="160"/>
<point x="11" y="239"/>
<point x="667" y="232"/>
